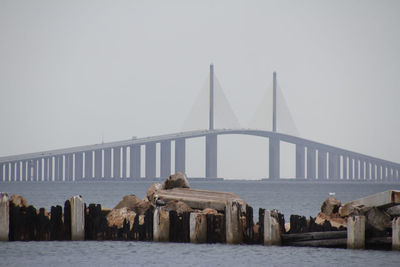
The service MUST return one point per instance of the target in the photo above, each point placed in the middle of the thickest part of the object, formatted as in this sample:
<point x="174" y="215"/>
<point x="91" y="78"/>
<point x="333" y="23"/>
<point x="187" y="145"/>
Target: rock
<point x="178" y="206"/>
<point x="117" y="216"/>
<point x="335" y="221"/>
<point x="133" y="203"/>
<point x="177" y="180"/>
<point x="19" y="201"/>
<point x="141" y="207"/>
<point x="378" y="219"/>
<point x="331" y="205"/>
<point x="394" y="211"/>
<point x="287" y="227"/>
<point x="152" y="191"/>
<point x="352" y="210"/>
<point x="209" y="211"/>
<point x="128" y="202"/>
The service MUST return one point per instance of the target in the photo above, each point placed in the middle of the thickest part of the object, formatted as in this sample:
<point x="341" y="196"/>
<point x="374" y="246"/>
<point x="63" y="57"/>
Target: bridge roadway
<point x="314" y="160"/>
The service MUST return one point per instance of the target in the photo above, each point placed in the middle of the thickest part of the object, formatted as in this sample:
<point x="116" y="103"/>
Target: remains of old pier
<point x="173" y="212"/>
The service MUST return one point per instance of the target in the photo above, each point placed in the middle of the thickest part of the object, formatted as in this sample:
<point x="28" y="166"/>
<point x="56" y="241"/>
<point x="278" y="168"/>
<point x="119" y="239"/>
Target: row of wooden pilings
<point x="235" y="226"/>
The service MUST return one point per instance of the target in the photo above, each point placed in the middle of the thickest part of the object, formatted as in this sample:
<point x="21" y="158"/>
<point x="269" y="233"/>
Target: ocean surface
<point x="288" y="197"/>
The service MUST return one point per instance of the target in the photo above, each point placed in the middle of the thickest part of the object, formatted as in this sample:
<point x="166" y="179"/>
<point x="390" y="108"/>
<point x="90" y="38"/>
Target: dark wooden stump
<point x="261" y="213"/>
<point x="148" y="224"/>
<point x="179" y="227"/>
<point x="248" y="233"/>
<point x="44" y="226"/>
<point x="67" y="220"/>
<point x="298" y="224"/>
<point x="215" y="228"/>
<point x="56" y="224"/>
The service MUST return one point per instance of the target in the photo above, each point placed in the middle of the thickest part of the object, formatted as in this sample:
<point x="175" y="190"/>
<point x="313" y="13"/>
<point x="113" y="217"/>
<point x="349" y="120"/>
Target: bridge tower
<point x="274" y="142"/>
<point x="211" y="139"/>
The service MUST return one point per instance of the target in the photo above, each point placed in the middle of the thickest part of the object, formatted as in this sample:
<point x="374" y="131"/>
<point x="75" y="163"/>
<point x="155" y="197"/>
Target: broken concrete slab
<point x="200" y="199"/>
<point x="382" y="200"/>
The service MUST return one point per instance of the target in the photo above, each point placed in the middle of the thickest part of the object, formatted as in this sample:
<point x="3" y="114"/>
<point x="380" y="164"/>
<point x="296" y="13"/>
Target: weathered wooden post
<point x="4" y="216"/>
<point x="198" y="227"/>
<point x="77" y="218"/>
<point x="396" y="233"/>
<point x="356" y="232"/>
<point x="234" y="234"/>
<point x="161" y="225"/>
<point x="272" y="235"/>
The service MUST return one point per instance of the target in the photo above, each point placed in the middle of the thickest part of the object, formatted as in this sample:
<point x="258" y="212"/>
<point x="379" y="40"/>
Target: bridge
<point x="122" y="159"/>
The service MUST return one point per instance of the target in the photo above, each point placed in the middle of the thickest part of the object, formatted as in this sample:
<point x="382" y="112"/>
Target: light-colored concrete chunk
<point x="383" y="200"/>
<point x="234" y="232"/>
<point x="161" y="225"/>
<point x="4" y="216"/>
<point x="396" y="233"/>
<point x="77" y="218"/>
<point x="272" y="236"/>
<point x="198" y="227"/>
<point x="200" y="199"/>
<point x="356" y="232"/>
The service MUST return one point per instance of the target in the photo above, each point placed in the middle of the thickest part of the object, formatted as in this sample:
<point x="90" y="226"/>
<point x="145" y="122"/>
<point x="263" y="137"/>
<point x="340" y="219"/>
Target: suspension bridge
<point x="314" y="161"/>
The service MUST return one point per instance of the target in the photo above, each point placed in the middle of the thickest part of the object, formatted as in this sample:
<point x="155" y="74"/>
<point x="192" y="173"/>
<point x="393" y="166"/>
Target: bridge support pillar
<point x="98" y="163"/>
<point x="373" y="171"/>
<point x="88" y="164"/>
<point x="274" y="158"/>
<point x="379" y="172"/>
<point x="351" y="165"/>
<point x="367" y="170"/>
<point x="180" y="155"/>
<point x="51" y="177"/>
<point x="40" y="169"/>
<point x="18" y="177"/>
<point x="300" y="162"/>
<point x="124" y="160"/>
<point x="56" y="168"/>
<point x="45" y="170"/>
<point x="69" y="161"/>
<point x="321" y="165"/>
<point x="311" y="163"/>
<point x="356" y="169"/>
<point x="211" y="156"/>
<point x="334" y="166"/>
<point x="362" y="169"/>
<point x="23" y="171"/>
<point x="135" y="162"/>
<point x="150" y="161"/>
<point x="344" y="169"/>
<point x="7" y="172"/>
<point x="107" y="163"/>
<point x="117" y="163"/>
<point x="13" y="171"/>
<point x="1" y="172"/>
<point x="78" y="166"/>
<point x="165" y="162"/>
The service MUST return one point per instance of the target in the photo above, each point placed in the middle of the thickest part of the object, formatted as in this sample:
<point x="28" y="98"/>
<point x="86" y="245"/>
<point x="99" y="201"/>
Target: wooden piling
<point x="234" y="232"/>
<point x="272" y="236"/>
<point x="356" y="232"/>
<point x="77" y="218"/>
<point x="198" y="227"/>
<point x="161" y="225"/>
<point x="396" y="233"/>
<point x="4" y="216"/>
<point x="56" y="224"/>
<point x="216" y="232"/>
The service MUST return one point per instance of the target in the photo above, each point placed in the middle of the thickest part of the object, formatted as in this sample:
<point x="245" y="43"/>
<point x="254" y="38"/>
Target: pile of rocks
<point x="174" y="194"/>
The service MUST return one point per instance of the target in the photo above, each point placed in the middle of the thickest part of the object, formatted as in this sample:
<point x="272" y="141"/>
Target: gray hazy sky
<point x="72" y="71"/>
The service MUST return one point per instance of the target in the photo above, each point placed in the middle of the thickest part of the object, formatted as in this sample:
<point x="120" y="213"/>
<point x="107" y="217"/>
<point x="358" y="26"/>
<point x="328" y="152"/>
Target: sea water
<point x="288" y="197"/>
